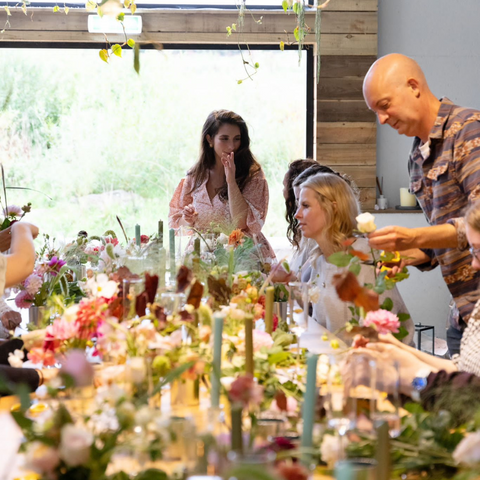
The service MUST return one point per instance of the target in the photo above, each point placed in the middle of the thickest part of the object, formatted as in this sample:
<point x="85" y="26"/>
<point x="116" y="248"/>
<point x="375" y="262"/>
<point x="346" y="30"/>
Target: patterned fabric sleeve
<point x="256" y="195"/>
<point x="181" y="198"/>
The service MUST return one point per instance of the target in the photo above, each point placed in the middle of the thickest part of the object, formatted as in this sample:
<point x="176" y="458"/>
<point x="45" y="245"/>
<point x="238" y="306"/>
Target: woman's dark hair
<point x="299" y="171"/>
<point x="245" y="164"/>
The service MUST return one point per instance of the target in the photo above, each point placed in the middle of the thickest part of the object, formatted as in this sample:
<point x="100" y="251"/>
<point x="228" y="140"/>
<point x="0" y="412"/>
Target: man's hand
<point x="393" y="238"/>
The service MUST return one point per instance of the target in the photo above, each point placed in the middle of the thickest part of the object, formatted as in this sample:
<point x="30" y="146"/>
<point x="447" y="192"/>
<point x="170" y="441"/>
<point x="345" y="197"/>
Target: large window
<point x="102" y="141"/>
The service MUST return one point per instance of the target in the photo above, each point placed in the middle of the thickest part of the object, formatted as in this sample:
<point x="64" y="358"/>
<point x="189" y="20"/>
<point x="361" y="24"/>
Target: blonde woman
<point x="326" y="213"/>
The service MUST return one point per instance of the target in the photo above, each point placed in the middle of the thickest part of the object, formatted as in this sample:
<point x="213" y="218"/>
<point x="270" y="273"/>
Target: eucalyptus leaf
<point x="117" y="50"/>
<point x="103" y="55"/>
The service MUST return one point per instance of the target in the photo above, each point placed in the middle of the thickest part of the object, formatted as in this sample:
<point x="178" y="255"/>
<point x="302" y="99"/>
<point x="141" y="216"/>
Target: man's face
<point x="394" y="104"/>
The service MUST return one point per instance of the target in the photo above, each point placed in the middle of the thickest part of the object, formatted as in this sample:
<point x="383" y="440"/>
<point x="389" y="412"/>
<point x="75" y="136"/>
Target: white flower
<point x="468" y="450"/>
<point x="233" y="312"/>
<point x="331" y="449"/>
<point x="15" y="359"/>
<point x="366" y="223"/>
<point x="143" y="416"/>
<point x="222" y="239"/>
<point x="101" y="286"/>
<point x="41" y="392"/>
<point x="314" y="294"/>
<point x="41" y="458"/>
<point x="75" y="444"/>
<point x="103" y="421"/>
<point x="137" y="370"/>
<point x="70" y="314"/>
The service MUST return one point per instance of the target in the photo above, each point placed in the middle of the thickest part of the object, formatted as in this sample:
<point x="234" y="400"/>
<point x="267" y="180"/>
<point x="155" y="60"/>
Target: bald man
<point x="444" y="168"/>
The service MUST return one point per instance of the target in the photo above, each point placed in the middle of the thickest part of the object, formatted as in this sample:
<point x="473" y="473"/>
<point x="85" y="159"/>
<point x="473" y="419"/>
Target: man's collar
<point x="442" y="117"/>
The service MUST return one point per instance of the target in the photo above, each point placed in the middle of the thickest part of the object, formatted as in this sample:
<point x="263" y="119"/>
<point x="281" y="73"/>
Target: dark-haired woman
<point x="226" y="188"/>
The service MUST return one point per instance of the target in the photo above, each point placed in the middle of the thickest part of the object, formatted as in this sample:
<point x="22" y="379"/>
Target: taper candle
<point x="173" y="269"/>
<point x="269" y="310"/>
<point x="308" y="409"/>
<point x="138" y="239"/>
<point x="249" y="365"/>
<point x="217" y="361"/>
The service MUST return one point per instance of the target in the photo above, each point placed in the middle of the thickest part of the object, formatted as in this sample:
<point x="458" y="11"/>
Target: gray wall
<point x="443" y="36"/>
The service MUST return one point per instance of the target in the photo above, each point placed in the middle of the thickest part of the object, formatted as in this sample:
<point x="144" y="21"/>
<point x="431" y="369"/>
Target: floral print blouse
<point x="215" y="212"/>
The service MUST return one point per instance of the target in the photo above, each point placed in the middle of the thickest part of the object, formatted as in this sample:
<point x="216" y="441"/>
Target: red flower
<point x="144" y="238"/>
<point x="292" y="471"/>
<point x="245" y="391"/>
<point x="90" y="314"/>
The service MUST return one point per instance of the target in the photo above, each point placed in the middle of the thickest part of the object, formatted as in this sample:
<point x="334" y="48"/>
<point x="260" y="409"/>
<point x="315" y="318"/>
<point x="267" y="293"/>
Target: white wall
<point x="443" y="36"/>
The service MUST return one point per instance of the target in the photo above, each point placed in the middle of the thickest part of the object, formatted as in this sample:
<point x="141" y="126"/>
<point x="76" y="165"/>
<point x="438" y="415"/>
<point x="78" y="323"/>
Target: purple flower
<point x="77" y="367"/>
<point x="56" y="264"/>
<point x="24" y="299"/>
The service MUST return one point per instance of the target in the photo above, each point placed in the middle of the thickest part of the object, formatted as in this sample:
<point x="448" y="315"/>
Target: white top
<point x="333" y="313"/>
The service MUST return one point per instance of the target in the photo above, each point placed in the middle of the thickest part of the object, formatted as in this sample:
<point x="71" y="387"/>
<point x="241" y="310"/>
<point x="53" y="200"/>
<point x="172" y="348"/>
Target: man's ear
<point x="414" y="86"/>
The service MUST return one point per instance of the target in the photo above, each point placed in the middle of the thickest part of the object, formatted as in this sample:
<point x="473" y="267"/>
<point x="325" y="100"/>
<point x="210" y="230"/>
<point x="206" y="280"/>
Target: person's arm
<point x="237" y="204"/>
<point x="395" y="238"/>
<point x="28" y="376"/>
<point x="21" y="260"/>
<point x="181" y="211"/>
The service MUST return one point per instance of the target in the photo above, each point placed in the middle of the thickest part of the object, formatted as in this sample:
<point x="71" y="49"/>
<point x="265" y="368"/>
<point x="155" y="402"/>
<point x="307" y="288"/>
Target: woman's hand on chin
<point x="228" y="161"/>
<point x="190" y="214"/>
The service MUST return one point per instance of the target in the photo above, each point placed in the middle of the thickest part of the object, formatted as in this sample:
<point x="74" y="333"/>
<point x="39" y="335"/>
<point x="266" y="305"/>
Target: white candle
<point x="407" y="199"/>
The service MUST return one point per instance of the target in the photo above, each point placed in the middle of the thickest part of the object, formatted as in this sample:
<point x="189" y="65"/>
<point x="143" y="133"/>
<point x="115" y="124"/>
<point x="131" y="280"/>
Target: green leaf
<point x="22" y="421"/>
<point x="56" y="9"/>
<point x="131" y="42"/>
<point x="355" y="268"/>
<point x="278" y="358"/>
<point x="285" y="5"/>
<point x="119" y="476"/>
<point x="103" y="55"/>
<point x="136" y="58"/>
<point x="152" y="474"/>
<point x="402" y="333"/>
<point x="387" y="304"/>
<point x="90" y="5"/>
<point x="257" y="65"/>
<point x="121" y="17"/>
<point x="239" y="82"/>
<point x="340" y="259"/>
<point x="296" y="9"/>
<point x="7" y="10"/>
<point x="296" y="34"/>
<point x="403" y="317"/>
<point x="414" y="408"/>
<point x="133" y="8"/>
<point x="66" y="10"/>
<point x="282" y="46"/>
<point x="117" y="50"/>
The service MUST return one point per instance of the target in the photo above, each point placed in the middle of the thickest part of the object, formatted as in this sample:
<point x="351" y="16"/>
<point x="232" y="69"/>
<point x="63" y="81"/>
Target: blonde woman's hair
<point x="339" y="203"/>
<point x="472" y="216"/>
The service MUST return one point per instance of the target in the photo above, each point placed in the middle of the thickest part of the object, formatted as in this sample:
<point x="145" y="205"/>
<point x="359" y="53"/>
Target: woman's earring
<point x="211" y="145"/>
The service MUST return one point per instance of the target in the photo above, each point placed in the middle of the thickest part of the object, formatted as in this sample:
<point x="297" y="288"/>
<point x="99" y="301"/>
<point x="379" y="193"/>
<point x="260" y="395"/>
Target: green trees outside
<point x="102" y="141"/>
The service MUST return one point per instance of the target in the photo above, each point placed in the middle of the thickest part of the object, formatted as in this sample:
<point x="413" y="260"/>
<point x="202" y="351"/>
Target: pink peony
<point x="33" y="283"/>
<point x="24" y="299"/>
<point x="261" y="339"/>
<point x="383" y="321"/>
<point x="77" y="367"/>
<point x="62" y="329"/>
<point x="246" y="391"/>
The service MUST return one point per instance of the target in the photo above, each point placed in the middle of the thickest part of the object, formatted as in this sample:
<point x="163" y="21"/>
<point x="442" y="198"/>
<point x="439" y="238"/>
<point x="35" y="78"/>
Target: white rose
<point x="15" y="359"/>
<point x="137" y="370"/>
<point x="366" y="223"/>
<point x="41" y="458"/>
<point x="468" y="450"/>
<point x="75" y="445"/>
<point x="222" y="239"/>
<point x="331" y="449"/>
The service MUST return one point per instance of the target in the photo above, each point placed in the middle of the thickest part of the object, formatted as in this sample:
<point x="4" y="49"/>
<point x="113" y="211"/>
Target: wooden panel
<point x="343" y="111"/>
<point x="336" y="66"/>
<point x="207" y="21"/>
<point x="353" y="5"/>
<point x="367" y="199"/>
<point x="364" y="176"/>
<point x="346" y="88"/>
<point x="347" y="154"/>
<point x="346" y="132"/>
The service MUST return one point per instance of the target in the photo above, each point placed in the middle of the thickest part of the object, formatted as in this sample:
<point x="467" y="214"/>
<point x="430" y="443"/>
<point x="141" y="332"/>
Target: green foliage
<point x="340" y="259"/>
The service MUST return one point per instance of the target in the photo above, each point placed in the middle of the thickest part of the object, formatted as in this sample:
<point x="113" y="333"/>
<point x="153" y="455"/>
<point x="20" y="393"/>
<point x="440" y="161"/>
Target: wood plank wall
<point x="345" y="130"/>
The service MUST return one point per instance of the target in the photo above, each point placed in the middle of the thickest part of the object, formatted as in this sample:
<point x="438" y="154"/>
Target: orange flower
<point x="236" y="238"/>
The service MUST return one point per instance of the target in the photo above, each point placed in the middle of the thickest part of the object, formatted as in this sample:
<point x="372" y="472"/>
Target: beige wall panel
<point x="346" y="132"/>
<point x="347" y="154"/>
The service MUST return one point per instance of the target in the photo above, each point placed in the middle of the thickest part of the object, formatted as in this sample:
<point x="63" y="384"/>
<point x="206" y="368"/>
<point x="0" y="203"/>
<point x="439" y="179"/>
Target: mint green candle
<point x="217" y="360"/>
<point x="173" y="269"/>
<point x="138" y="240"/>
<point x="308" y="410"/>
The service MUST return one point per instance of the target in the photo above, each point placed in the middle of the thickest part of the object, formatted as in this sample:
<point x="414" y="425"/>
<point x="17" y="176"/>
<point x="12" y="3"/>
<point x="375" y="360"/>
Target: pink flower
<point x="261" y="339"/>
<point x="62" y="329"/>
<point x="24" y="299"/>
<point x="33" y="283"/>
<point x="383" y="321"/>
<point x="39" y="355"/>
<point x="77" y="367"/>
<point x="56" y="264"/>
<point x="14" y="211"/>
<point x="246" y="391"/>
<point x="113" y="241"/>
